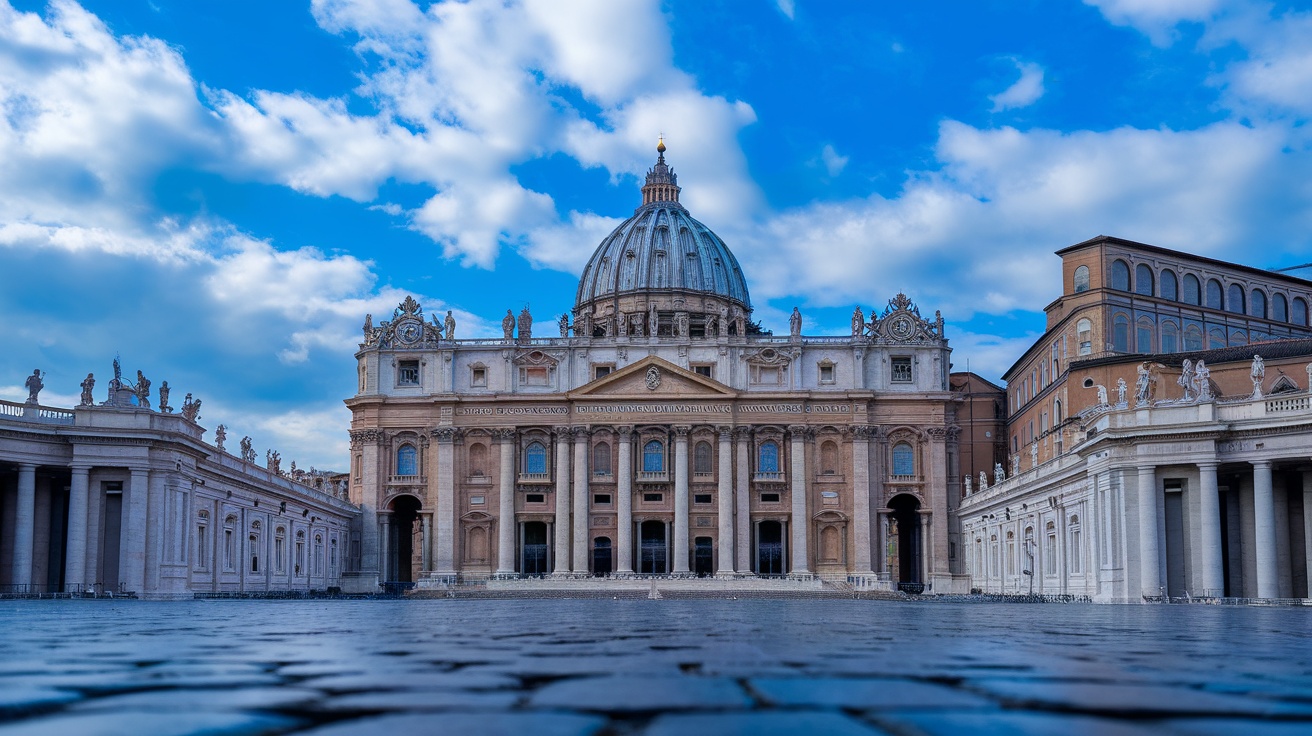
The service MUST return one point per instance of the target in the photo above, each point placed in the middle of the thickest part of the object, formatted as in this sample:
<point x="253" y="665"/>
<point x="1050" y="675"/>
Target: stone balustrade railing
<point x="35" y="413"/>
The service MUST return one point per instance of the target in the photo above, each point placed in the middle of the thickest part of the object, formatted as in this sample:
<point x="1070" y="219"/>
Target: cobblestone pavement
<point x="655" y="667"/>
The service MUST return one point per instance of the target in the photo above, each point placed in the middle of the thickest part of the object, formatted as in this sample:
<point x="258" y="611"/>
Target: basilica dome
<point x="660" y="261"/>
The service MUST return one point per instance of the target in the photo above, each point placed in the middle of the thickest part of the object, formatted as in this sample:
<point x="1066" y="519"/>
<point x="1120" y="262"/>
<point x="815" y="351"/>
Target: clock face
<point x="901" y="327"/>
<point x="408" y="332"/>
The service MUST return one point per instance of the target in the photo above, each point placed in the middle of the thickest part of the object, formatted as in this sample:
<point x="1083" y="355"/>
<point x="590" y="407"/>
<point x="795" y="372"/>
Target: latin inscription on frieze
<point x="652" y="409"/>
<point x="829" y="409"/>
<point x="512" y="410"/>
<point x="770" y="408"/>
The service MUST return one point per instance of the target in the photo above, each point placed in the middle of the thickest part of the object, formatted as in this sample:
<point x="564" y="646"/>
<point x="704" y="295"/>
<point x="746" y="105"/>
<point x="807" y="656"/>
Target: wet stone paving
<point x="651" y="667"/>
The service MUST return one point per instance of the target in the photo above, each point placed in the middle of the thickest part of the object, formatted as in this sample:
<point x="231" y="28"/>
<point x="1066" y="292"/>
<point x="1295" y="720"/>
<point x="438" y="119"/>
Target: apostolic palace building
<point x="657" y="430"/>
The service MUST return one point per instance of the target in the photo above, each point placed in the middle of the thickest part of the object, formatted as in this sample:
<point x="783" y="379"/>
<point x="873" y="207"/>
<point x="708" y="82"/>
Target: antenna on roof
<point x="1290" y="268"/>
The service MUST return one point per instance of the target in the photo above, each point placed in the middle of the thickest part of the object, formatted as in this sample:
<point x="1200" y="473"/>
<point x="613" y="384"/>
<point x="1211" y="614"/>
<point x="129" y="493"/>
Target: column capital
<point x="446" y="435"/>
<point x="581" y="433"/>
<point x="724" y="431"/>
<point x="562" y="433"/>
<point x="681" y="431"/>
<point x="863" y="432"/>
<point x="1209" y="465"/>
<point x="78" y="468"/>
<point x="26" y="467"/>
<point x="625" y="432"/>
<point x="742" y="434"/>
<point x="505" y="434"/>
<point x="1260" y="464"/>
<point x="800" y="432"/>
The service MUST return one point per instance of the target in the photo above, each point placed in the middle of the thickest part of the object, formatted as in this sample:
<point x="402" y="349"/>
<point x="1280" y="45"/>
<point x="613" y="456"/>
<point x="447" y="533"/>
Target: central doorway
<point x="601" y="559"/>
<point x="533" y="549"/>
<point x="651" y="548"/>
<point x="703" y="557"/>
<point x="770" y="548"/>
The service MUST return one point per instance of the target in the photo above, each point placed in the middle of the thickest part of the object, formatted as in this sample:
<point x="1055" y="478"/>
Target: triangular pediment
<point x="635" y="381"/>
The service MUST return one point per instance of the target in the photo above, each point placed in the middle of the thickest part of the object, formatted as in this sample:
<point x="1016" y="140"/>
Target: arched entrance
<point x="533" y="549"/>
<point x="651" y="548"/>
<point x="770" y="548"/>
<point x="904" y="543"/>
<point x="401" y="545"/>
<point x="601" y="556"/>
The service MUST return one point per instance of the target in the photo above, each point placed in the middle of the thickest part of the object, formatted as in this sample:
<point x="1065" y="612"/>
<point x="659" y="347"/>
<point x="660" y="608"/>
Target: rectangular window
<point x="702" y="370"/>
<point x="653" y="497"/>
<point x="601" y="499"/>
<point x="600" y="371"/>
<point x="768" y="375"/>
<point x="534" y="376"/>
<point x="769" y="498"/>
<point x="478" y="377"/>
<point x="477" y="500"/>
<point x="407" y="373"/>
<point x="701" y="498"/>
<point x="901" y="370"/>
<point x="535" y="498"/>
<point x="826" y="374"/>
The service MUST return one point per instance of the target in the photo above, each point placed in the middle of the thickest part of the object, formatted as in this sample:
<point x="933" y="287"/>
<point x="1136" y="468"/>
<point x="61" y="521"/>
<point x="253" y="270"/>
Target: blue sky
<point x="219" y="191"/>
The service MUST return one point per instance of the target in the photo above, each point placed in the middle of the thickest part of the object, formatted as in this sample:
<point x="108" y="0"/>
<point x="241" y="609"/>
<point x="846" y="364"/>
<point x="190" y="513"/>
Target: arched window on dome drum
<point x="1081" y="279"/>
<point x="1120" y="275"/>
<point x="407" y="460"/>
<point x="767" y="458"/>
<point x="1121" y="333"/>
<point x="1298" y="311"/>
<point x="1214" y="300"/>
<point x="904" y="459"/>
<point x="701" y="459"/>
<point x="1170" y="337"/>
<point x="1143" y="279"/>
<point x="653" y="457"/>
<point x="1168" y="289"/>
<point x="601" y="458"/>
<point x="1236" y="298"/>
<point x="1192" y="290"/>
<point x="535" y="458"/>
<point x="1279" y="308"/>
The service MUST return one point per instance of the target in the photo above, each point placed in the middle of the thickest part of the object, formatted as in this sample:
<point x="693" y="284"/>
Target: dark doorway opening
<point x="703" y="557"/>
<point x="905" y="533"/>
<point x="533" y="550"/>
<point x="405" y="511"/>
<point x="770" y="548"/>
<point x="651" y="547"/>
<point x="601" y="556"/>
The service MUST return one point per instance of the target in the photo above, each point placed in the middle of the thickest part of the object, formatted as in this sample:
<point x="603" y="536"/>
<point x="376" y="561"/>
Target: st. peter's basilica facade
<point x="657" y="431"/>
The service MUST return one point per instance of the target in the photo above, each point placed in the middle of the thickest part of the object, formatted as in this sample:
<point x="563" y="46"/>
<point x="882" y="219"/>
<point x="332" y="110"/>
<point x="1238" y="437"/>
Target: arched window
<point x="767" y="458"/>
<point x="1298" y="311"/>
<point x="1168" y="289"/>
<point x="1279" y="308"/>
<point x="280" y="550"/>
<point x="1193" y="338"/>
<point x="202" y="539"/>
<point x="1050" y="549"/>
<point x="1257" y="303"/>
<point x="332" y="560"/>
<point x="1192" y="290"/>
<point x="1084" y="333"/>
<point x="1143" y="335"/>
<point x="1238" y="337"/>
<point x="1143" y="279"/>
<point x="1121" y="333"/>
<point x="1120" y="275"/>
<point x="1236" y="299"/>
<point x="1075" y="549"/>
<point x="407" y="460"/>
<point x="653" y="457"/>
<point x="701" y="459"/>
<point x="828" y="458"/>
<point x="1215" y="338"/>
<point x="300" y="554"/>
<point x="535" y="458"/>
<point x="230" y="543"/>
<point x="1170" y="337"/>
<point x="1214" y="300"/>
<point x="601" y="458"/>
<point x="904" y="459"/>
<point x="1056" y="412"/>
<point x="254" y="548"/>
<point x="478" y="459"/>
<point x="1011" y="553"/>
<point x="1081" y="279"/>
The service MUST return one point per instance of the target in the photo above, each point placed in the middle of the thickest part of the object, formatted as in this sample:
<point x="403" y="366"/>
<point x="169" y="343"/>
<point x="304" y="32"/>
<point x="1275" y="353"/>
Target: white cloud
<point x="833" y="162"/>
<point x="1156" y="19"/>
<point x="1024" y="92"/>
<point x="787" y="7"/>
